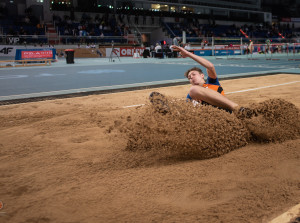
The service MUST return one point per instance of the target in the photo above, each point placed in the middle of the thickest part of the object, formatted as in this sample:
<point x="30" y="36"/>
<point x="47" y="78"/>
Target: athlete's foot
<point x="243" y="112"/>
<point x="159" y="102"/>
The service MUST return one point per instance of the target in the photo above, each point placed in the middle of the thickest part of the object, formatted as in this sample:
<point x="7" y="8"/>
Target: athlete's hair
<point x="186" y="74"/>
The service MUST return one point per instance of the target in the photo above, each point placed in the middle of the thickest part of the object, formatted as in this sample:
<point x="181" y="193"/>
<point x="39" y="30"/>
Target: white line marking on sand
<point x="254" y="89"/>
<point x="130" y="106"/>
<point x="251" y="89"/>
<point x="287" y="216"/>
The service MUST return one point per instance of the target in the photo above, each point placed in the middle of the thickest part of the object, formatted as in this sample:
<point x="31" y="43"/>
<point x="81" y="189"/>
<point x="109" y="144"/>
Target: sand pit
<point x="189" y="132"/>
<point x="90" y="159"/>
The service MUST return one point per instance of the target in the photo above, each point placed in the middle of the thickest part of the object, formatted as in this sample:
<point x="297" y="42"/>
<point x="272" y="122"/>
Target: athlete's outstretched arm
<point x="202" y="61"/>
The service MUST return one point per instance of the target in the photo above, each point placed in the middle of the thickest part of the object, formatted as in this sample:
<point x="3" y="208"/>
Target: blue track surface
<point x="88" y="75"/>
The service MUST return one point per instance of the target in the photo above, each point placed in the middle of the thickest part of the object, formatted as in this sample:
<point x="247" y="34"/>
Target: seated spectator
<point x="61" y="54"/>
<point x="99" y="53"/>
<point x="152" y="50"/>
<point x="146" y="53"/>
<point x="27" y="20"/>
<point x="92" y="33"/>
<point x="101" y="27"/>
<point x="40" y="26"/>
<point x="157" y="47"/>
<point x="66" y="32"/>
<point x="187" y="46"/>
<point x="22" y="31"/>
<point x="158" y="51"/>
<point x="168" y="51"/>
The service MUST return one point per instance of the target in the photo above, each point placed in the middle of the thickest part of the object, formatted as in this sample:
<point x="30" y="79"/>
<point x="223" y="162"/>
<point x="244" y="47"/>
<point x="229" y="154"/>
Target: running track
<point x="98" y="75"/>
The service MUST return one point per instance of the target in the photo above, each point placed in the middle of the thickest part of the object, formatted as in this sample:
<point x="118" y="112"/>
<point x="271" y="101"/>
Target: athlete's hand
<point x="184" y="53"/>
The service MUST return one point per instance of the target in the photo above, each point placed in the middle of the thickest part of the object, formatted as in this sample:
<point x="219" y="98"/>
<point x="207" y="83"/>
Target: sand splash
<point x="187" y="132"/>
<point x="204" y="132"/>
<point x="277" y="120"/>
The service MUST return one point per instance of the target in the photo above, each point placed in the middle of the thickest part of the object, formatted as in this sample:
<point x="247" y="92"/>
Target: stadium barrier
<point x="277" y="51"/>
<point x="235" y="48"/>
<point x="25" y="63"/>
<point x="58" y="39"/>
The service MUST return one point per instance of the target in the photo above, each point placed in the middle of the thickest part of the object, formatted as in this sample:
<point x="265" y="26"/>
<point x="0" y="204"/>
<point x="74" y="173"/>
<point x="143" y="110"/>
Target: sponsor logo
<point x="129" y="52"/>
<point x="124" y="52"/>
<point x="6" y="50"/>
<point x="13" y="40"/>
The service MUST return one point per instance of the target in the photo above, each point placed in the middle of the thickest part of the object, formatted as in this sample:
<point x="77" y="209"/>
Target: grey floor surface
<point x="100" y="75"/>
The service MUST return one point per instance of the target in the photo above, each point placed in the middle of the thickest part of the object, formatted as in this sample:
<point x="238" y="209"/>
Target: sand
<point x="92" y="159"/>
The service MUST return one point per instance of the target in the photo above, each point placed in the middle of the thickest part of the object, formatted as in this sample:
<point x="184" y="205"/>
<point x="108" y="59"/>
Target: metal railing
<point x="68" y="40"/>
<point x="256" y="48"/>
<point x="211" y="41"/>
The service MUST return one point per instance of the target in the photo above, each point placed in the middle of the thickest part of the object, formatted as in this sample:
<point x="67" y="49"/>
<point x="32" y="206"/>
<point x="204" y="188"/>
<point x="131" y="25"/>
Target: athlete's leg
<point x="212" y="97"/>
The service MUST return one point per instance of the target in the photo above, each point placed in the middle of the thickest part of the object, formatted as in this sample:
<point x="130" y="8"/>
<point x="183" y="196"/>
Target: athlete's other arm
<point x="210" y="68"/>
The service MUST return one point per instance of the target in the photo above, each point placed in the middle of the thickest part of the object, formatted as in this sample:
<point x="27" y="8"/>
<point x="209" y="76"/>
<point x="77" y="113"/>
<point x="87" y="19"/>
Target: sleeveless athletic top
<point x="213" y="84"/>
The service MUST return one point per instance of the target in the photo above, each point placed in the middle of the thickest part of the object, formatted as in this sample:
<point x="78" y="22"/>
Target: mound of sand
<point x="202" y="132"/>
<point x="187" y="132"/>
<point x="277" y="120"/>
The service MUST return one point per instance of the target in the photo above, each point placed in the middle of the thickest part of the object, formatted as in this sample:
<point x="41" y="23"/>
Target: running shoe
<point x="159" y="102"/>
<point x="243" y="112"/>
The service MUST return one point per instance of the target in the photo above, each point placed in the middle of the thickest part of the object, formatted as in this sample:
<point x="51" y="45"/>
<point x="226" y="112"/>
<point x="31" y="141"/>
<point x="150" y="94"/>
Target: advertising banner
<point x="218" y="52"/>
<point x="128" y="52"/>
<point x="124" y="51"/>
<point x="42" y="54"/>
<point x="203" y="52"/>
<point x="295" y="19"/>
<point x="27" y="54"/>
<point x="286" y="19"/>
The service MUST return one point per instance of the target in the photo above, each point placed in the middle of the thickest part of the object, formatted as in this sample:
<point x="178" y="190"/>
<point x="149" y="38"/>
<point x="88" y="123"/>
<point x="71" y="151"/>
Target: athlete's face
<point x="196" y="78"/>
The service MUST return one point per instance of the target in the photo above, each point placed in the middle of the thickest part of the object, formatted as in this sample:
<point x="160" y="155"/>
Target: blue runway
<point x="97" y="75"/>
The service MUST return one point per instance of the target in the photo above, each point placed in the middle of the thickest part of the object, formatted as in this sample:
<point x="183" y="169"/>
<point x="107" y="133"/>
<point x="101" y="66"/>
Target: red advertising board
<point x="42" y="54"/>
<point x="286" y="19"/>
<point x="128" y="52"/>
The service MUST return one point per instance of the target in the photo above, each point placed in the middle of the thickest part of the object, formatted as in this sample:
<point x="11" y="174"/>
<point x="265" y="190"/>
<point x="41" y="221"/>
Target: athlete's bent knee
<point x="196" y="91"/>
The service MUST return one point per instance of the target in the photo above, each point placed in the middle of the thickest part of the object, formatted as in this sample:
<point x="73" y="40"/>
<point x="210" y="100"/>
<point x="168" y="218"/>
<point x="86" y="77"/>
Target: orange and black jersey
<point x="213" y="84"/>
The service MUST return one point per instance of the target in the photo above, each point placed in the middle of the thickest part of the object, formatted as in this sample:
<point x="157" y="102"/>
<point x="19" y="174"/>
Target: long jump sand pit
<point x="109" y="158"/>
